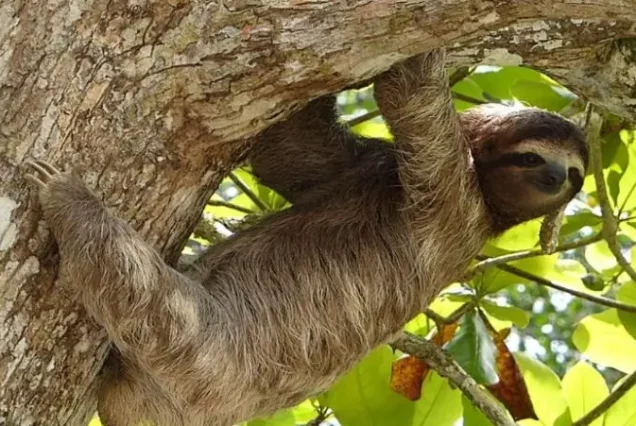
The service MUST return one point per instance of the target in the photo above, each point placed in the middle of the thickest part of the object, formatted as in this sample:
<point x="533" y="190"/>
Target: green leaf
<point x="627" y="294"/>
<point x="419" y="325"/>
<point x="601" y="259"/>
<point x="510" y="314"/>
<point x="472" y="415"/>
<point x="467" y="87"/>
<point x="545" y="391"/>
<point x="304" y="412"/>
<point x="593" y="282"/>
<point x="542" y="95"/>
<point x="222" y="212"/>
<point x="282" y="418"/>
<point x="615" y="152"/>
<point x="613" y="185"/>
<point x="272" y="199"/>
<point x="521" y="237"/>
<point x="584" y="388"/>
<point x="495" y="279"/>
<point x="603" y="339"/>
<point x="451" y="299"/>
<point x="574" y="223"/>
<point x="246" y="176"/>
<point x="626" y="193"/>
<point x="498" y="81"/>
<point x="363" y="396"/>
<point x="571" y="273"/>
<point x="440" y="405"/>
<point x="373" y="129"/>
<point x="628" y="229"/>
<point x="530" y="422"/>
<point x="623" y="412"/>
<point x="473" y="348"/>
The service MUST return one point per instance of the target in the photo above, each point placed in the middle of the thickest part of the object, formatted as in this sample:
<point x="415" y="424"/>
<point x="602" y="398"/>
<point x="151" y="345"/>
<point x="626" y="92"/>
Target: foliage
<point x="569" y="350"/>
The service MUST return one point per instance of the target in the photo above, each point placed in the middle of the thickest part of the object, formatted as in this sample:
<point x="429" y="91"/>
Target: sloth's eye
<point x="530" y="159"/>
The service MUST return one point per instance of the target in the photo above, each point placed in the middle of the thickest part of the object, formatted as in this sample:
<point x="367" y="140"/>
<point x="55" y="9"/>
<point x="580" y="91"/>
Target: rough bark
<point x="150" y="102"/>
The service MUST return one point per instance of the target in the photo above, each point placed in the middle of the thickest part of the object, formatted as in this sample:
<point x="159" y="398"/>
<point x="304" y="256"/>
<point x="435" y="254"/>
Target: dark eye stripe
<point x="512" y="159"/>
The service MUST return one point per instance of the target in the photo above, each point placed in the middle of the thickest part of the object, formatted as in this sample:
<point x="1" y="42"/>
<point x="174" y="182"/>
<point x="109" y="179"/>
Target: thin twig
<point x="611" y="399"/>
<point x="453" y="317"/>
<point x="592" y="298"/>
<point x="459" y="74"/>
<point x="500" y="260"/>
<point x="610" y="223"/>
<point x="445" y="366"/>
<point x="322" y="415"/>
<point x="247" y="191"/>
<point x="629" y="194"/>
<point x="468" y="99"/>
<point x="219" y="203"/>
<point x="364" y="117"/>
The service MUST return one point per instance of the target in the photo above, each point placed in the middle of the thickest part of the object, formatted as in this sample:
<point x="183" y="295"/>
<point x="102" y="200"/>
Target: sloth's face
<point x="529" y="162"/>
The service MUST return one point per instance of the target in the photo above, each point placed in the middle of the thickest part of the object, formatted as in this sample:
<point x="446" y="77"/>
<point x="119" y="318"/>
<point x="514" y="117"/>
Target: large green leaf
<point x="440" y="405"/>
<point x="282" y="418"/>
<point x="603" y="339"/>
<point x="574" y="223"/>
<point x="542" y="95"/>
<point x="545" y="391"/>
<point x="495" y="279"/>
<point x="521" y="237"/>
<point x="473" y="348"/>
<point x="623" y="412"/>
<point x="467" y="87"/>
<point x="497" y="81"/>
<point x="601" y="258"/>
<point x="363" y="396"/>
<point x="507" y="314"/>
<point x="584" y="388"/>
<point x="472" y="415"/>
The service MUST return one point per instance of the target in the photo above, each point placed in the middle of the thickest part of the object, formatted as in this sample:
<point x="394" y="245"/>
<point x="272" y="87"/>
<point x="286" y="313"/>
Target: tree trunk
<point x="151" y="102"/>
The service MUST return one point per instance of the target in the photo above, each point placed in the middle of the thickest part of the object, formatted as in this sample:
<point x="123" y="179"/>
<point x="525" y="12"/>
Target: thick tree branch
<point x="445" y="366"/>
<point x="151" y="102"/>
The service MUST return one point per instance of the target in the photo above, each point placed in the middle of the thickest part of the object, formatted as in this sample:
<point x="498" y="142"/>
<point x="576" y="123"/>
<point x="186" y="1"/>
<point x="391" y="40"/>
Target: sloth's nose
<point x="551" y="177"/>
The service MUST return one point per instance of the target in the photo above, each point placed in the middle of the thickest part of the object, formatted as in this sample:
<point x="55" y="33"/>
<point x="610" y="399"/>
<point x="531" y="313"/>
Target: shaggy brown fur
<point x="279" y="312"/>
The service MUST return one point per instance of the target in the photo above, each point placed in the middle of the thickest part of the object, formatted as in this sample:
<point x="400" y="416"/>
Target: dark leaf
<point x="511" y="389"/>
<point x="473" y="348"/>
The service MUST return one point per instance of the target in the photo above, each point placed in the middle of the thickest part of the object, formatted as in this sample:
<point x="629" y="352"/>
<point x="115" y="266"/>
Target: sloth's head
<point x="529" y="162"/>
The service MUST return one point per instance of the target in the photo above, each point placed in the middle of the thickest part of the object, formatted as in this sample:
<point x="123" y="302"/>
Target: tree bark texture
<point x="151" y="102"/>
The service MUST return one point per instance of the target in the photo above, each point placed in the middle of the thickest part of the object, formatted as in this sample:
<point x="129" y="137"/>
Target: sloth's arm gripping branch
<point x="415" y="99"/>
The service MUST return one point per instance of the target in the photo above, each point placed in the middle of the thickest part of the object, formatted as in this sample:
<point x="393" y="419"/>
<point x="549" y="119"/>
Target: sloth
<point x="277" y="313"/>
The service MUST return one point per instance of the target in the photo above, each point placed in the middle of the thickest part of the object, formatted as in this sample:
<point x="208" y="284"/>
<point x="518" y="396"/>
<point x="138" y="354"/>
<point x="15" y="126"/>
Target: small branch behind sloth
<point x="280" y="311"/>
